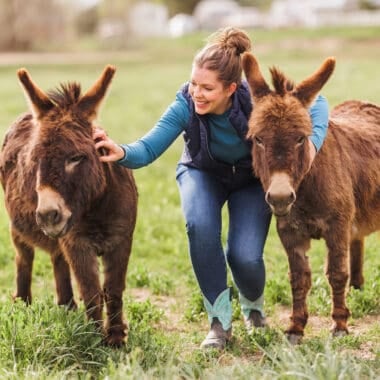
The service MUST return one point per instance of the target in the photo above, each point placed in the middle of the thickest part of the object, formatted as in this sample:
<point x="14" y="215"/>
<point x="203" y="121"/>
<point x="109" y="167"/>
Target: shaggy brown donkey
<point x="337" y="199"/>
<point x="62" y="199"/>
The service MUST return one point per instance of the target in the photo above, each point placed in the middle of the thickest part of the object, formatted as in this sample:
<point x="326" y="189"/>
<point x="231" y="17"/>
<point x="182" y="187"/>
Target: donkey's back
<point x="354" y="134"/>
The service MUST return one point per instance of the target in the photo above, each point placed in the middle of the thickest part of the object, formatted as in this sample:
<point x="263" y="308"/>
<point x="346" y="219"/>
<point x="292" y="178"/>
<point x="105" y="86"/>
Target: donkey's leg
<point x="337" y="274"/>
<point x="356" y="263"/>
<point x="85" y="267"/>
<point x="24" y="265"/>
<point x="115" y="269"/>
<point x="300" y="281"/>
<point x="62" y="277"/>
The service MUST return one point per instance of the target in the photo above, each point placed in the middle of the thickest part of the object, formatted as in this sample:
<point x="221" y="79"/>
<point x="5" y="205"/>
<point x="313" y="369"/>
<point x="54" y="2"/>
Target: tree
<point x="180" y="6"/>
<point x="27" y="24"/>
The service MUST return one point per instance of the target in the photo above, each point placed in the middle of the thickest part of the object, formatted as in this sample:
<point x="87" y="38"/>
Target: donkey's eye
<point x="301" y="140"/>
<point x="258" y="141"/>
<point x="76" y="159"/>
<point x="73" y="161"/>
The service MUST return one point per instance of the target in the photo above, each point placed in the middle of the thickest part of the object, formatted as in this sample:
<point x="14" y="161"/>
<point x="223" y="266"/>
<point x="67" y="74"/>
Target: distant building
<point x="291" y="13"/>
<point x="148" y="19"/>
<point x="247" y="17"/>
<point x="210" y="14"/>
<point x="182" y="24"/>
<point x="318" y="13"/>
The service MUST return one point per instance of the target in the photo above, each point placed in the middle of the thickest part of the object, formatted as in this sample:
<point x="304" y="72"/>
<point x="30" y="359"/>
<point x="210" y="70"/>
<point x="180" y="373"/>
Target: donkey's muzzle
<point x="51" y="217"/>
<point x="280" y="194"/>
<point x="280" y="203"/>
<point x="52" y="214"/>
<point x="52" y="223"/>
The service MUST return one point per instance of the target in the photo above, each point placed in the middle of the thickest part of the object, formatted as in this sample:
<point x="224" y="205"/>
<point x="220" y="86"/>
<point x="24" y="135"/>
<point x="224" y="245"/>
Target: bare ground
<point x="173" y="322"/>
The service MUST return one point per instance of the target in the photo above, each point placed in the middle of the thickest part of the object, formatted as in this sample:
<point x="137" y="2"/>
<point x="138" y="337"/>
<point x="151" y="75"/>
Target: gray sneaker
<point x="217" y="337"/>
<point x="255" y="320"/>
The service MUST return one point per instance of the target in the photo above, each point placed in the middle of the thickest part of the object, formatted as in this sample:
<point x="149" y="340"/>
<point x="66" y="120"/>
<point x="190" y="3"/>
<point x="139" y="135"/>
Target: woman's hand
<point x="113" y="151"/>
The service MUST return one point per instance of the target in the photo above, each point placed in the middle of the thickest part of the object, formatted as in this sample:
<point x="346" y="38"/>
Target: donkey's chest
<point x="93" y="238"/>
<point x="304" y="222"/>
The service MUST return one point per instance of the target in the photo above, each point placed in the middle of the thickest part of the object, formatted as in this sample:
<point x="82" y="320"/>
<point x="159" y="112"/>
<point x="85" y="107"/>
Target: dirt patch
<point x="317" y="325"/>
<point x="169" y="305"/>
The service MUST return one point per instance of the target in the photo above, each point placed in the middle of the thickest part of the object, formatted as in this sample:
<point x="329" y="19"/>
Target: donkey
<point x="335" y="198"/>
<point x="61" y="198"/>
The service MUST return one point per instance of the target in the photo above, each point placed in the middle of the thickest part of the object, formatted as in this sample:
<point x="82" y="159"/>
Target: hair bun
<point x="232" y="39"/>
<point x="222" y="54"/>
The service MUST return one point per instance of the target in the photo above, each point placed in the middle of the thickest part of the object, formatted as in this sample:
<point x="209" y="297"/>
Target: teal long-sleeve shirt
<point x="225" y="144"/>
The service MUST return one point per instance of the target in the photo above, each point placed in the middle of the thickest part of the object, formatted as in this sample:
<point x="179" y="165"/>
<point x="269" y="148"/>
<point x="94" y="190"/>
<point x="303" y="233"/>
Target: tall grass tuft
<point x="44" y="334"/>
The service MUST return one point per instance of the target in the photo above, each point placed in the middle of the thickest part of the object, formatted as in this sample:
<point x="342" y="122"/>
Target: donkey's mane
<point x="66" y="95"/>
<point x="280" y="82"/>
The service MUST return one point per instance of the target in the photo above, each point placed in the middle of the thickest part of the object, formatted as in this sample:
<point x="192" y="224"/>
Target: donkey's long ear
<point x="256" y="81"/>
<point x="92" y="99"/>
<point x="308" y="89"/>
<point x="37" y="99"/>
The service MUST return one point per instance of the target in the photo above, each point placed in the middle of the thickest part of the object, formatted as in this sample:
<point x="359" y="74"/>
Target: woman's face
<point x="208" y="92"/>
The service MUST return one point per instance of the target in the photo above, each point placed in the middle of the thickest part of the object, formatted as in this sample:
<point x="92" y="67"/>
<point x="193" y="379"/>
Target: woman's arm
<point x="147" y="149"/>
<point x="319" y="113"/>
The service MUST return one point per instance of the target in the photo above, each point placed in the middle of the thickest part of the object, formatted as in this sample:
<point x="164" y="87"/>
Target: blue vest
<point x="196" y="151"/>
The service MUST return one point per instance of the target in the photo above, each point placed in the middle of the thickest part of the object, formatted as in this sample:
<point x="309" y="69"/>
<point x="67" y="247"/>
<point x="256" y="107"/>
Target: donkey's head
<point x="69" y="174"/>
<point x="279" y="128"/>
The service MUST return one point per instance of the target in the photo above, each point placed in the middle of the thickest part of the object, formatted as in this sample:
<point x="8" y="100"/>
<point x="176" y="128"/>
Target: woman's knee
<point x="200" y="227"/>
<point x="248" y="263"/>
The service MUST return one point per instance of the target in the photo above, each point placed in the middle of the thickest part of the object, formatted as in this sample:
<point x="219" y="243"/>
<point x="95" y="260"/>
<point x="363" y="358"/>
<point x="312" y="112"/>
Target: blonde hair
<point x="222" y="54"/>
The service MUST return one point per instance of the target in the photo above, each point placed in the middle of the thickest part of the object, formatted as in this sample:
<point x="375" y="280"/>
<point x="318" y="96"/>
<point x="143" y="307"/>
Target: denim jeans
<point x="203" y="196"/>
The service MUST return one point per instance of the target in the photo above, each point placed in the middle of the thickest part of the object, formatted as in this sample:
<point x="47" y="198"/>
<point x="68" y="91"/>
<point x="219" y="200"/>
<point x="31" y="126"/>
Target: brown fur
<point x="337" y="199"/>
<point x="62" y="199"/>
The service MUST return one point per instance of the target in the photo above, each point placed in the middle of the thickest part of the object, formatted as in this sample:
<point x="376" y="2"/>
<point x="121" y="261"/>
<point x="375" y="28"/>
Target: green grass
<point x="162" y="302"/>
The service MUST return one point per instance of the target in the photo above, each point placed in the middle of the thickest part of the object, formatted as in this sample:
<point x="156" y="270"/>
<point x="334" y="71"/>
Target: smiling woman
<point x="212" y="112"/>
<point x="208" y="93"/>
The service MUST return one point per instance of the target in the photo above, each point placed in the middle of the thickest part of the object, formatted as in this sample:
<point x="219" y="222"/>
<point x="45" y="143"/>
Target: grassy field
<point x="162" y="302"/>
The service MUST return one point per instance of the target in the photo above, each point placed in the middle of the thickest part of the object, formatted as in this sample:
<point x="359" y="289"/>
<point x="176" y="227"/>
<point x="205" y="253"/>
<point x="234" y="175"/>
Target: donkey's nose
<point x="280" y="199"/>
<point x="280" y="203"/>
<point x="48" y="217"/>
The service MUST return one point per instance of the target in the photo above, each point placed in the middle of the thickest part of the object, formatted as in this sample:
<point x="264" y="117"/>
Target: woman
<point x="212" y="111"/>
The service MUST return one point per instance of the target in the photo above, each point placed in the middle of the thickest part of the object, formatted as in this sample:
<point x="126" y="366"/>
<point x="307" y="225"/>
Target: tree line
<point x="34" y="25"/>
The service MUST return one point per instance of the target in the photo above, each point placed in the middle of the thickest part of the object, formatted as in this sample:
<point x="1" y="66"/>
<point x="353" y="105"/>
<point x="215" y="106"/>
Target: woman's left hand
<point x="114" y="152"/>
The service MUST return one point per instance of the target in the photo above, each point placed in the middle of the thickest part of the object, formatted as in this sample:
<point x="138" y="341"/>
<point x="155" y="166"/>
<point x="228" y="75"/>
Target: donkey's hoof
<point x="357" y="285"/>
<point x="294" y="339"/>
<point x="115" y="341"/>
<point x="339" y="333"/>
<point x="115" y="337"/>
